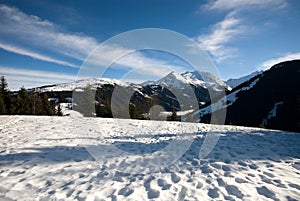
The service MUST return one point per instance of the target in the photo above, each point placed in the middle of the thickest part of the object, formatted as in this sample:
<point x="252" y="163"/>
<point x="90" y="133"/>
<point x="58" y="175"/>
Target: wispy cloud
<point x="216" y="42"/>
<point x="46" y="35"/>
<point x="234" y="25"/>
<point x="243" y="4"/>
<point x="34" y="55"/>
<point x="33" y="78"/>
<point x="41" y="33"/>
<point x="136" y="62"/>
<point x="288" y="57"/>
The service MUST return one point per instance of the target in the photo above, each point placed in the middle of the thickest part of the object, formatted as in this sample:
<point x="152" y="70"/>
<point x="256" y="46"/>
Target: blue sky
<point x="46" y="42"/>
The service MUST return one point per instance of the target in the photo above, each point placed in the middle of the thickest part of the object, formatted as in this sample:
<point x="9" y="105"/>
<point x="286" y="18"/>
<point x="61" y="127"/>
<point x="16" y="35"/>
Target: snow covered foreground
<point x="68" y="158"/>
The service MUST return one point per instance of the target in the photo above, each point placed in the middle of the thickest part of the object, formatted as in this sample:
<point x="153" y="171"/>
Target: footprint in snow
<point x="152" y="193"/>
<point x="221" y="182"/>
<point x="296" y="186"/>
<point x="233" y="190"/>
<point x="175" y="178"/>
<point x="213" y="193"/>
<point x="265" y="192"/>
<point x="199" y="185"/>
<point x="182" y="193"/>
<point x="240" y="180"/>
<point x="126" y="191"/>
<point x="15" y="173"/>
<point x="163" y="184"/>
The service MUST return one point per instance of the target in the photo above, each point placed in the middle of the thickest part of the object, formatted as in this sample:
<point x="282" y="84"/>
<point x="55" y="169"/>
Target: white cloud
<point x="148" y="66"/>
<point x="233" y="25"/>
<point x="23" y="28"/>
<point x="43" y="34"/>
<point x="115" y="56"/>
<point x="288" y="57"/>
<point x="241" y="4"/>
<point x="221" y="34"/>
<point x="33" y="78"/>
<point x="34" y="55"/>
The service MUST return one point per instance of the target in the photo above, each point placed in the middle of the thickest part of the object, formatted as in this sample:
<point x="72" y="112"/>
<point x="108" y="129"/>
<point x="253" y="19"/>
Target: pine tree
<point x="2" y="105"/>
<point x="59" y="110"/>
<point x="4" y="96"/>
<point x="37" y="106"/>
<point x="48" y="107"/>
<point x="133" y="111"/>
<point x="24" y="105"/>
<point x="173" y="116"/>
<point x="3" y="85"/>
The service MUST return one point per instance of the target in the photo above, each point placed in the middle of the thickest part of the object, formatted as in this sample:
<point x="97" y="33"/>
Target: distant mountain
<point x="93" y="83"/>
<point x="270" y="100"/>
<point x="196" y="79"/>
<point x="238" y="81"/>
<point x="204" y="79"/>
<point x="170" y="92"/>
<point x="267" y="99"/>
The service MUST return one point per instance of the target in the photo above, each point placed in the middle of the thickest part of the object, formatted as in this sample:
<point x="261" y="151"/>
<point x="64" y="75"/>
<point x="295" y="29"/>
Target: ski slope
<point x="69" y="158"/>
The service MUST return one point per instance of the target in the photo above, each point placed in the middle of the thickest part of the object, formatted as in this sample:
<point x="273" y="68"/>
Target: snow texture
<point x="47" y="158"/>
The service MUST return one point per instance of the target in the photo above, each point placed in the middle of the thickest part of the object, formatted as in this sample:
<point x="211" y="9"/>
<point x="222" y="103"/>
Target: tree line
<point x="24" y="102"/>
<point x="98" y="103"/>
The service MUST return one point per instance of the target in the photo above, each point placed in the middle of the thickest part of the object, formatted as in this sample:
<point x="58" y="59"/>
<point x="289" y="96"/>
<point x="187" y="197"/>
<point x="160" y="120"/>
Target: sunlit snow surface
<point x="45" y="158"/>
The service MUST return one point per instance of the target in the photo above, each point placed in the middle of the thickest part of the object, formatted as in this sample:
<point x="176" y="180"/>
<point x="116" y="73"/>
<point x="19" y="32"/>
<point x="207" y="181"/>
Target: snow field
<point x="68" y="158"/>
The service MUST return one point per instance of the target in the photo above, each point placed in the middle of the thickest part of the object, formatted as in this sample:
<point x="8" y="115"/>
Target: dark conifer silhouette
<point x="23" y="102"/>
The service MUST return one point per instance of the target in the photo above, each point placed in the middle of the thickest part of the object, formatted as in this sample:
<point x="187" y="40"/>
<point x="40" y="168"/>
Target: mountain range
<point x="267" y="99"/>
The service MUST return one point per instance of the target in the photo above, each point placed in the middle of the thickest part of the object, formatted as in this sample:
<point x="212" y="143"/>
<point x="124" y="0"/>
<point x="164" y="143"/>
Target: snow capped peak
<point x="173" y="79"/>
<point x="195" y="78"/>
<point x="176" y="75"/>
<point x="204" y="79"/>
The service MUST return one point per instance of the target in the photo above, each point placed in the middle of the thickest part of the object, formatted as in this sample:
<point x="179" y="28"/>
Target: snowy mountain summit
<point x="204" y="79"/>
<point x="196" y="79"/>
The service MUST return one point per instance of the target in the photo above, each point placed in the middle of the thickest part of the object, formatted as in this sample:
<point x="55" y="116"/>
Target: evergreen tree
<point x="48" y="107"/>
<point x="133" y="111"/>
<point x="3" y="85"/>
<point x="59" y="110"/>
<point x="173" y="117"/>
<point x="4" y="96"/>
<point x="2" y="105"/>
<point x="37" y="104"/>
<point x="23" y="103"/>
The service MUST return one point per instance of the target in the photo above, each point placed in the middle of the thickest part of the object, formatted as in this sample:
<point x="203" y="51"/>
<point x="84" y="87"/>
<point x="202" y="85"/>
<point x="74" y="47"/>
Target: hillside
<point x="274" y="102"/>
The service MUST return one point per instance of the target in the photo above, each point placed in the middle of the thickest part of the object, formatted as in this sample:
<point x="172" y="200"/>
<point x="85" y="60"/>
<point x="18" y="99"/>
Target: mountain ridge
<point x="262" y="99"/>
